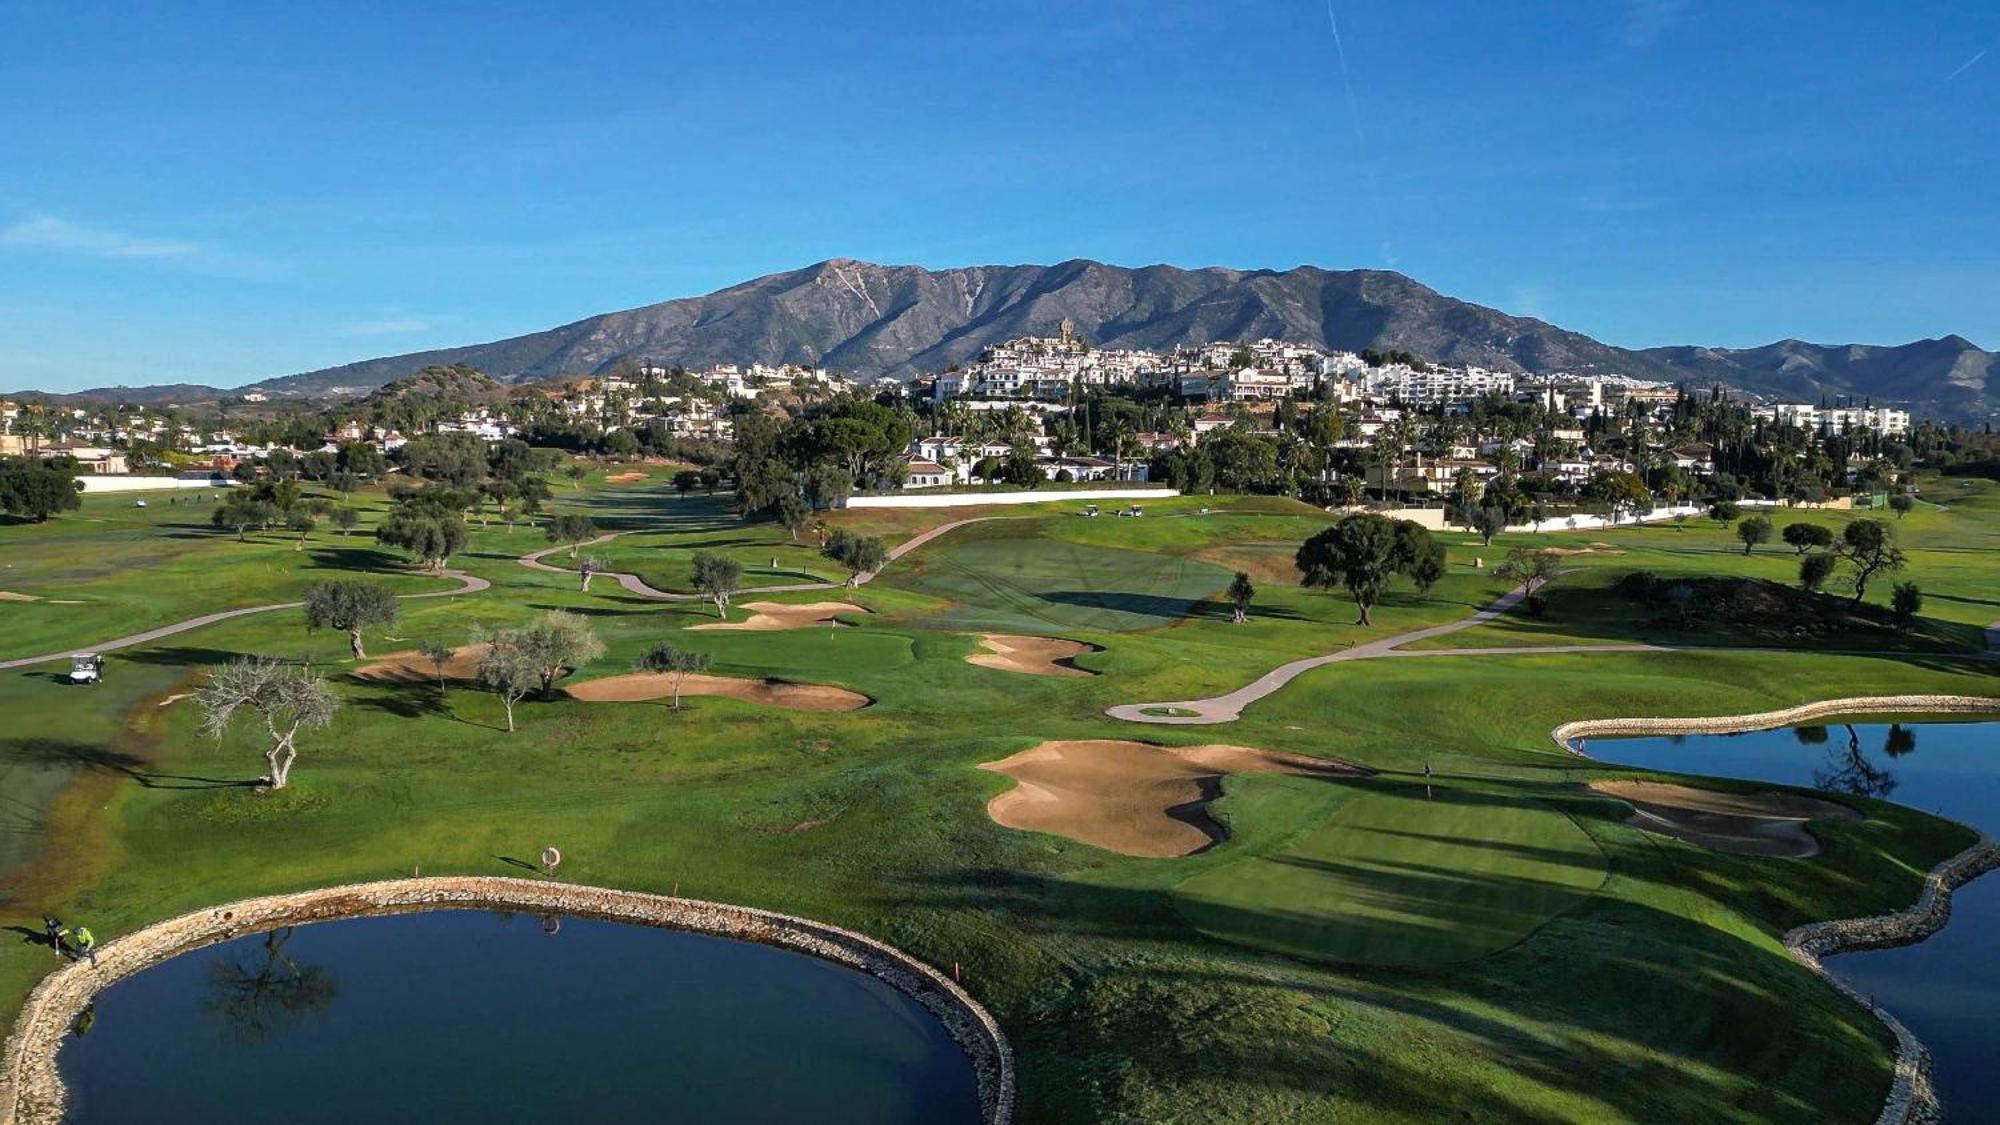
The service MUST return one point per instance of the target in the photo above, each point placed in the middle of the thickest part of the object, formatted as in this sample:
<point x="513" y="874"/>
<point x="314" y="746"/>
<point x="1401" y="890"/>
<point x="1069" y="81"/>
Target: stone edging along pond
<point x="1911" y="1100"/>
<point x="31" y="1091"/>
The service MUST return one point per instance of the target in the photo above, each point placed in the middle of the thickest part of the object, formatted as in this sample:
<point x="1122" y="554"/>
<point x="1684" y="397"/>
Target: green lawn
<point x="1400" y="877"/>
<point x="1505" y="949"/>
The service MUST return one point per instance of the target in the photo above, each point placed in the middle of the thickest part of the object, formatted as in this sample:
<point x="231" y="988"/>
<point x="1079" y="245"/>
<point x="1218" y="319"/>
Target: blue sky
<point x="222" y="193"/>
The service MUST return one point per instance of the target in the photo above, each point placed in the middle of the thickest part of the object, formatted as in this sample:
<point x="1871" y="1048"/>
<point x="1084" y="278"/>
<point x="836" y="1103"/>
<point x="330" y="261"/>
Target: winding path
<point x="468" y="584"/>
<point x="636" y="585"/>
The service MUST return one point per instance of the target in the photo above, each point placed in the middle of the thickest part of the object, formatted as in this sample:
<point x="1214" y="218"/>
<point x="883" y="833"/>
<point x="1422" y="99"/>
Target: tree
<point x="242" y="512"/>
<point x="1724" y="512"/>
<point x="686" y="481"/>
<point x="31" y="487"/>
<point x="1907" y="600"/>
<point x="1753" y="531"/>
<point x="1533" y="569"/>
<point x="1803" y="537"/>
<point x="856" y="554"/>
<point x="676" y="663"/>
<point x="434" y="536"/>
<point x="349" y="605"/>
<point x="717" y="577"/>
<point x="571" y="529"/>
<point x="1362" y="553"/>
<point x="287" y="698"/>
<point x="794" y="513"/>
<point x="588" y="567"/>
<point x="1814" y="570"/>
<point x="344" y="519"/>
<point x="1870" y="547"/>
<point x="1484" y="522"/>
<point x="1429" y="565"/>
<point x="302" y="522"/>
<point x="1240" y="592"/>
<point x="1618" y="491"/>
<point x="439" y="655"/>
<point x="508" y="671"/>
<point x="1901" y="504"/>
<point x="556" y="642"/>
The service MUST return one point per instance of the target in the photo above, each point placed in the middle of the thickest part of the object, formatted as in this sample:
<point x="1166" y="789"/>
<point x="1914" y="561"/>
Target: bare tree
<point x="288" y="698"/>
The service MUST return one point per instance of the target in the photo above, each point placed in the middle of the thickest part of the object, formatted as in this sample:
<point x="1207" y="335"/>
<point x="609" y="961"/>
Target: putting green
<point x="1009" y="579"/>
<point x="1398" y="879"/>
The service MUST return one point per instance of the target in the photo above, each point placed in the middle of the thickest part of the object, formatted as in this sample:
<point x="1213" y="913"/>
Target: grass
<point x="1505" y="950"/>
<point x="1403" y="877"/>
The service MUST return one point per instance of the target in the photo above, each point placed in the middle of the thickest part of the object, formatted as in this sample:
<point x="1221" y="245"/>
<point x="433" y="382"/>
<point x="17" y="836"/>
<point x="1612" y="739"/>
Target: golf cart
<point x="1091" y="510"/>
<point x="86" y="668"/>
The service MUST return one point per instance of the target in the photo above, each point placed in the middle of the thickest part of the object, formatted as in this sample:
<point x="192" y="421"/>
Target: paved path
<point x="468" y="584"/>
<point x="1228" y="708"/>
<point x="636" y="585"/>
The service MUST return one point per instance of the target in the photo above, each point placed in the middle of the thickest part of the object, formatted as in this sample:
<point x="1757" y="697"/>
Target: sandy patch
<point x="624" y="478"/>
<point x="1032" y="656"/>
<point x="1135" y="798"/>
<point x="637" y="687"/>
<point x="1268" y="563"/>
<point x="11" y="596"/>
<point x="412" y="667"/>
<point x="1592" y="549"/>
<point x="173" y="699"/>
<point x="1769" y="823"/>
<point x="767" y="616"/>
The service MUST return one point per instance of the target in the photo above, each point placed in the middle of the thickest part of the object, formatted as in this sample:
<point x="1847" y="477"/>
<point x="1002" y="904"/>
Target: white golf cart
<point x="86" y="668"/>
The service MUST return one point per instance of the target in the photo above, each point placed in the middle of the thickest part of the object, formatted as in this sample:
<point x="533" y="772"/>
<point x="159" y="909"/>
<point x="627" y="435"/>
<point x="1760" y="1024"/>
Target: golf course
<point x="1372" y="889"/>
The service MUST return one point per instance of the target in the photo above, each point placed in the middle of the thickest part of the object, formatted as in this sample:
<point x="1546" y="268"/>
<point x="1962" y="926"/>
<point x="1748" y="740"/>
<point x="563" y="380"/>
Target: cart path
<point x="636" y="585"/>
<point x="1228" y="708"/>
<point x="468" y="584"/>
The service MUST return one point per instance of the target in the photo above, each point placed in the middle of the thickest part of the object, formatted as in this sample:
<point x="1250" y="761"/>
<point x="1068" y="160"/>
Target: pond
<point x="463" y="1015"/>
<point x="1947" y="988"/>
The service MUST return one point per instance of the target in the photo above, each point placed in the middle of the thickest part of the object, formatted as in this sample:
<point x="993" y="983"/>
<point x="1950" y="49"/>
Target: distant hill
<point x="871" y="320"/>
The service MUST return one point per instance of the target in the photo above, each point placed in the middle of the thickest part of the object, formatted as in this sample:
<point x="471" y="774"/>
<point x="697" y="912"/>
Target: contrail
<point x="1963" y="67"/>
<point x="1353" y="111"/>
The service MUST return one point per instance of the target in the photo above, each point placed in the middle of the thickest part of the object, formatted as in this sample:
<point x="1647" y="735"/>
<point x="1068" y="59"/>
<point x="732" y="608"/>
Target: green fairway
<point x="1398" y="878"/>
<point x="1008" y="578"/>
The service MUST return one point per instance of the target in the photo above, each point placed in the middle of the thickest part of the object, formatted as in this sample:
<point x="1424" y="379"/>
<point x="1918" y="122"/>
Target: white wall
<point x="970" y="499"/>
<point x="93" y="483"/>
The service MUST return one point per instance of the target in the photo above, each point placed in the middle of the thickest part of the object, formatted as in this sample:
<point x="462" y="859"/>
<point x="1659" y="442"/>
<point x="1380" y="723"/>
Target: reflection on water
<point x="257" y="991"/>
<point x="1946" y="988"/>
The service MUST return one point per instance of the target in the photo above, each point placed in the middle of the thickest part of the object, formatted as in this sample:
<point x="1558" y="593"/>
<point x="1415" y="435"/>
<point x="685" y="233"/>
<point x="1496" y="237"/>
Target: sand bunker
<point x="1769" y="823"/>
<point x="1132" y="797"/>
<point x="1033" y="656"/>
<point x="414" y="667"/>
<point x="637" y="687"/>
<point x="624" y="478"/>
<point x="11" y="596"/>
<point x="766" y="616"/>
<point x="1592" y="549"/>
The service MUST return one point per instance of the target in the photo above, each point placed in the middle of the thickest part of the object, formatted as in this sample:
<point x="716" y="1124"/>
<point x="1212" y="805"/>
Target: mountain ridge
<point x="867" y="319"/>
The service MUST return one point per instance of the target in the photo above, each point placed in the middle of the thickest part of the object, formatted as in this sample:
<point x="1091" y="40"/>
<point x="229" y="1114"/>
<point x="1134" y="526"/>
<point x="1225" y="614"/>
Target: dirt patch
<point x="1767" y="823"/>
<point x="414" y="667"/>
<point x="638" y="687"/>
<point x="1135" y="798"/>
<point x="769" y="616"/>
<point x="1031" y="656"/>
<point x="624" y="478"/>
<point x="1269" y="563"/>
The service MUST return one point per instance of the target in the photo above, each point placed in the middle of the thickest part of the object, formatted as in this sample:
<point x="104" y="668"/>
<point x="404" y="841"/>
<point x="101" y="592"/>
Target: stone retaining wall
<point x="1911" y="1099"/>
<point x="31" y="1091"/>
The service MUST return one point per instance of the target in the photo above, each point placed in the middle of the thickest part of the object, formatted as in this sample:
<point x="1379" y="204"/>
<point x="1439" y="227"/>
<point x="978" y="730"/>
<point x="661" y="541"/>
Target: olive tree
<point x="1803" y="537"/>
<point x="508" y="671"/>
<point x="439" y="655"/>
<point x="1533" y="569"/>
<point x="856" y="554"/>
<point x="675" y="663"/>
<point x="1814" y="570"/>
<point x="1754" y="531"/>
<point x="717" y="577"/>
<point x="1907" y="600"/>
<point x="1240" y="592"/>
<point x="1362" y="553"/>
<point x="1870" y="547"/>
<point x="286" y="698"/>
<point x="570" y="529"/>
<point x="349" y="605"/>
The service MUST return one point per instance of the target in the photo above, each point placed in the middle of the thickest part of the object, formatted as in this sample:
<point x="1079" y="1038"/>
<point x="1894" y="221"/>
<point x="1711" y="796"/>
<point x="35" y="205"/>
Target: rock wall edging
<point x="1911" y="1099"/>
<point x="31" y="1090"/>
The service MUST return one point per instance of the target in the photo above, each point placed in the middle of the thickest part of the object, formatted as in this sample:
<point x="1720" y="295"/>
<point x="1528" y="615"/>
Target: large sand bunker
<point x="624" y="478"/>
<point x="413" y="667"/>
<point x="1768" y="823"/>
<point x="637" y="687"/>
<point x="768" y="616"/>
<point x="1132" y="797"/>
<point x="1033" y="656"/>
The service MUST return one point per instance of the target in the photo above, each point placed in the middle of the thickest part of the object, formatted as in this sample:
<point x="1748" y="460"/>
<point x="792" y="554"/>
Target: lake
<point x="462" y="1015"/>
<point x="1947" y="988"/>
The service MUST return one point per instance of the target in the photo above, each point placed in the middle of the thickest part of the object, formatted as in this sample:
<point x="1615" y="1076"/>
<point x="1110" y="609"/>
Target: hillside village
<point x="1335" y="428"/>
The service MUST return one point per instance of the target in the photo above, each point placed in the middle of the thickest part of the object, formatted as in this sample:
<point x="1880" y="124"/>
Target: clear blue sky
<point x="221" y="193"/>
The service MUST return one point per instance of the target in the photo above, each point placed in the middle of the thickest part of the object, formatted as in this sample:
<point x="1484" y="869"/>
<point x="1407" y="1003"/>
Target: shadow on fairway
<point x="88" y="756"/>
<point x="1166" y="609"/>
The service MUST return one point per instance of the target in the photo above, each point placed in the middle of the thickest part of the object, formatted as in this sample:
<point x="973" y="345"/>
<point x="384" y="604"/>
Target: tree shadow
<point x="89" y="757"/>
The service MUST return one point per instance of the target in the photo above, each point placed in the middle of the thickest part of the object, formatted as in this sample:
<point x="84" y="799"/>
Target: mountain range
<point x="871" y="320"/>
